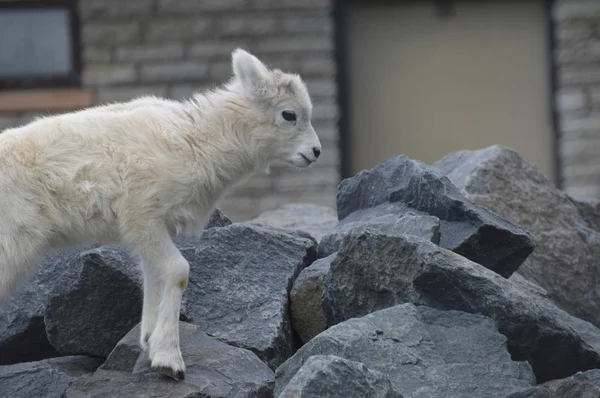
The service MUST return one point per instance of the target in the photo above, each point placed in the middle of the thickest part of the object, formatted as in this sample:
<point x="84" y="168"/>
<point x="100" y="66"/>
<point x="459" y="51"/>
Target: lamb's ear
<point x="251" y="72"/>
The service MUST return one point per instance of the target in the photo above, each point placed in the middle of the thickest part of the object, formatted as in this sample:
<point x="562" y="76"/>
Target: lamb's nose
<point x="317" y="152"/>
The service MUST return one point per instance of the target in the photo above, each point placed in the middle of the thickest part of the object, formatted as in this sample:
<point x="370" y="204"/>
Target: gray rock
<point x="565" y="261"/>
<point x="589" y="210"/>
<point x="423" y="351"/>
<point x="402" y="184"/>
<point x="331" y="376"/>
<point x="97" y="301"/>
<point x="46" y="378"/>
<point x="213" y="369"/>
<point x="306" y="296"/>
<point x="580" y="385"/>
<point x="528" y="286"/>
<point x="313" y="219"/>
<point x="217" y="219"/>
<point x="22" y="328"/>
<point x="373" y="271"/>
<point x="240" y="280"/>
<point x="382" y="219"/>
<point x="588" y="332"/>
<point x="126" y="352"/>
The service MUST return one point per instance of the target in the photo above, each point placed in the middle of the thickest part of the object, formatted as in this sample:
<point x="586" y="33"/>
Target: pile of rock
<point x="471" y="277"/>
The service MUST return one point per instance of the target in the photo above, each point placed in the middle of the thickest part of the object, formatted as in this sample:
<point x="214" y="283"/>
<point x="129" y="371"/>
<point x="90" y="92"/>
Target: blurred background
<point x="420" y="78"/>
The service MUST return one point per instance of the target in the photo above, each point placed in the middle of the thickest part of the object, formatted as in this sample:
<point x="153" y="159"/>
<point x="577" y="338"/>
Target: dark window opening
<point x="39" y="45"/>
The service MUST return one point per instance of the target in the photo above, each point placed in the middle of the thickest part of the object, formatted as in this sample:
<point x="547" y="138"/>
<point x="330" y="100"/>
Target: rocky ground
<point x="471" y="277"/>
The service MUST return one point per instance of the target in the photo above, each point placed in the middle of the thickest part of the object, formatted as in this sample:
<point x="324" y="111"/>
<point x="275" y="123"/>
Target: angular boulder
<point x="528" y="286"/>
<point x="580" y="385"/>
<point x="127" y="351"/>
<point x="332" y="376"/>
<point x="383" y="219"/>
<point x="306" y="296"/>
<point x="213" y="369"/>
<point x="565" y="261"/>
<point x="587" y="331"/>
<point x="98" y="300"/>
<point x="372" y="271"/>
<point x="217" y="219"/>
<point x="45" y="378"/>
<point x="22" y="327"/>
<point x="589" y="210"/>
<point x="315" y="220"/>
<point x="240" y="279"/>
<point x="400" y="184"/>
<point x="423" y="351"/>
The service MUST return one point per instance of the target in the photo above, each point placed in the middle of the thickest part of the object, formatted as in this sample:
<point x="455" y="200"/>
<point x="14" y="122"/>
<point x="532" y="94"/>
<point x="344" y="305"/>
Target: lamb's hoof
<point x="169" y="372"/>
<point x="169" y="364"/>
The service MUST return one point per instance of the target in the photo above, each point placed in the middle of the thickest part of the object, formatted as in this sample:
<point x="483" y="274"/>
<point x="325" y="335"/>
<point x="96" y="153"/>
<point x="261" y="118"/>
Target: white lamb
<point x="140" y="172"/>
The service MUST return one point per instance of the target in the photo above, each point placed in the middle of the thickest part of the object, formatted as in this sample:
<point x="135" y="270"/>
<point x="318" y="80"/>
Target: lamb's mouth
<point x="305" y="158"/>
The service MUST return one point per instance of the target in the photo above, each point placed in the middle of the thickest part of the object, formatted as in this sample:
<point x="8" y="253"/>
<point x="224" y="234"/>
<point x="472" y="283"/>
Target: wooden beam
<point x="44" y="100"/>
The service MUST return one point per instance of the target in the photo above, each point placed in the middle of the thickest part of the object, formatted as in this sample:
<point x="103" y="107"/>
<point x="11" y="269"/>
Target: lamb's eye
<point x="290" y="116"/>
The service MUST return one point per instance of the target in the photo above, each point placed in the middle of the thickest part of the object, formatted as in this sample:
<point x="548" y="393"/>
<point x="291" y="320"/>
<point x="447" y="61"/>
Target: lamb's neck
<point x="223" y="117"/>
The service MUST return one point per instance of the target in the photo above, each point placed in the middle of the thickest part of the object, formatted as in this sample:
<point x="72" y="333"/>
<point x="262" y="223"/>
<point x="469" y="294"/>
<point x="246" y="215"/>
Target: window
<point x="38" y="44"/>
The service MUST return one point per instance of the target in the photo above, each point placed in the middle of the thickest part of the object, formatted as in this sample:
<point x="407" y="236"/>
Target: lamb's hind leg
<point x="170" y="272"/>
<point x="19" y="259"/>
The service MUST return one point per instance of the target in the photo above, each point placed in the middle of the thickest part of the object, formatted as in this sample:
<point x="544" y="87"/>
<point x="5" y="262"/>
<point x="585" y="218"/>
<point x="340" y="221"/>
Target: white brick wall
<point x="571" y="99"/>
<point x="110" y="32"/>
<point x="574" y="9"/>
<point x="176" y="28"/>
<point x="149" y="52"/>
<point x="105" y="74"/>
<point x="95" y="9"/>
<point x="577" y="59"/>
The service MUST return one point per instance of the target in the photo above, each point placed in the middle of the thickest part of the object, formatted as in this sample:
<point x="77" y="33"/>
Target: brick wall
<point x="174" y="47"/>
<point x="577" y="58"/>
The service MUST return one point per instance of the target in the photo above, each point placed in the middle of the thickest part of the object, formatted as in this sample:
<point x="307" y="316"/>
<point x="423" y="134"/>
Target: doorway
<point x="424" y="83"/>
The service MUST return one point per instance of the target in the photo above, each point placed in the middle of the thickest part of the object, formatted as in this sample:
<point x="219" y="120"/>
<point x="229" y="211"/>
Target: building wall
<point x="577" y="60"/>
<point x="174" y="47"/>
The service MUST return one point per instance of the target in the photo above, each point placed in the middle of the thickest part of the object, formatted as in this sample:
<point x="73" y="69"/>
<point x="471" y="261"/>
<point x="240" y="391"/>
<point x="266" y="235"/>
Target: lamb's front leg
<point x="171" y="269"/>
<point x="152" y="294"/>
